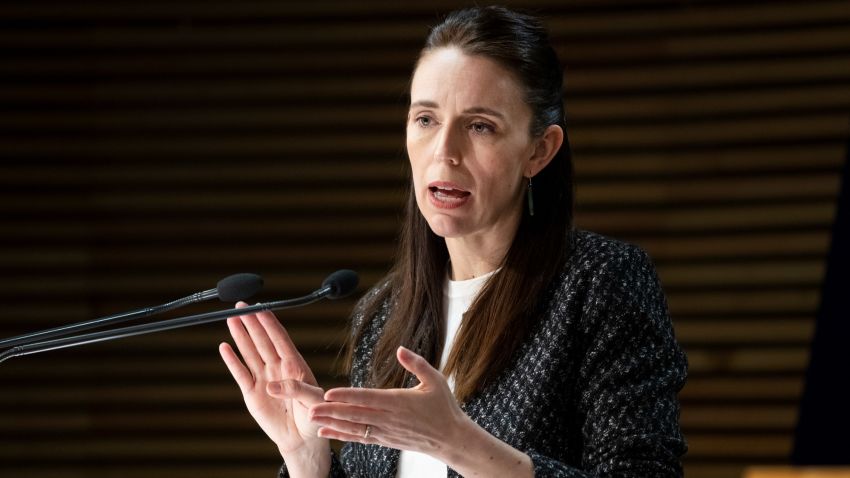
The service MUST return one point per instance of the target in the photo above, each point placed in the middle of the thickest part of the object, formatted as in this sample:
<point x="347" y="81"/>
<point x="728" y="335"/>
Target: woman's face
<point x="469" y="144"/>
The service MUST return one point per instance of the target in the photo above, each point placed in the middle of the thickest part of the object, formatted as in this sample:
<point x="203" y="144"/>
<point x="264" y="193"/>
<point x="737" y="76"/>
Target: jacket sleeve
<point x="629" y="378"/>
<point x="336" y="468"/>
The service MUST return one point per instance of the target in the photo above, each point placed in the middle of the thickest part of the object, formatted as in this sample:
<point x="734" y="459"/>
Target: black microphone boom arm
<point x="177" y="323"/>
<point x="232" y="288"/>
<point x="108" y="320"/>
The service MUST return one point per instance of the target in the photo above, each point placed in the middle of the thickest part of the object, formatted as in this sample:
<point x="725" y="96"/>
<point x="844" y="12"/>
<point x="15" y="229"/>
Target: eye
<point x="481" y="128"/>
<point x="424" y="121"/>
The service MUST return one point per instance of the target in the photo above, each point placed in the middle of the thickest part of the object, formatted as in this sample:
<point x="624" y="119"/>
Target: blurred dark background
<point x="148" y="149"/>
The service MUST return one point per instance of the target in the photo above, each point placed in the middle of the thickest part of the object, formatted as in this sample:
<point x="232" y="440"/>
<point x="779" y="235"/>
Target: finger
<point x="279" y="336"/>
<point x="344" y="427"/>
<point x="244" y="344"/>
<point x="359" y="437"/>
<point x="418" y="366"/>
<point x="260" y="338"/>
<point x="348" y="412"/>
<point x="364" y="397"/>
<point x="303" y="392"/>
<point x="241" y="374"/>
<point x="294" y="364"/>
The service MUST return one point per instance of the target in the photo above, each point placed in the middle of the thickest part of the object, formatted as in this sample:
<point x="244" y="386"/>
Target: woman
<point x="503" y="342"/>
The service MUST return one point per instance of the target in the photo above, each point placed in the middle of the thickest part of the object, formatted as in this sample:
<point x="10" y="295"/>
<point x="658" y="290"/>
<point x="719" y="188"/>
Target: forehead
<point x="452" y="78"/>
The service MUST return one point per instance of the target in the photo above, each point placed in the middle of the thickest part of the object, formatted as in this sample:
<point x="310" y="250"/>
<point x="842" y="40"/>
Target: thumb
<point x="418" y="366"/>
<point x="297" y="390"/>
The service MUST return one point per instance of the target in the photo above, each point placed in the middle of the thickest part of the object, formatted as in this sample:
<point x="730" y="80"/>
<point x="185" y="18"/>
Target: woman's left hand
<point x="424" y="418"/>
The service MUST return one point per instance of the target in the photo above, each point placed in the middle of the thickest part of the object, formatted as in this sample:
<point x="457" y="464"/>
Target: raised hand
<point x="425" y="418"/>
<point x="418" y="419"/>
<point x="278" y="387"/>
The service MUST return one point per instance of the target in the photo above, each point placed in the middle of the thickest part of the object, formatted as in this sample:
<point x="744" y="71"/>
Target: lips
<point x="447" y="195"/>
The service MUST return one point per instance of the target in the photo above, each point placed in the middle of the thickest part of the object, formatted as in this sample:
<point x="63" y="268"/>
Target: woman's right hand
<point x="278" y="387"/>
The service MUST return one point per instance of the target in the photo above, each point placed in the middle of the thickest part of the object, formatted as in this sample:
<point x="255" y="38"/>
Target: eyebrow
<point x="473" y="110"/>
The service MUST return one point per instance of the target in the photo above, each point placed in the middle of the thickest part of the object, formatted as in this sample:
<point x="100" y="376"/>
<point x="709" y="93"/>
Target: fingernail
<point x="274" y="387"/>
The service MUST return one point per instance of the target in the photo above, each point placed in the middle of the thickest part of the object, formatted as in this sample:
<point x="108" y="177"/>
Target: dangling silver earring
<point x="530" y="198"/>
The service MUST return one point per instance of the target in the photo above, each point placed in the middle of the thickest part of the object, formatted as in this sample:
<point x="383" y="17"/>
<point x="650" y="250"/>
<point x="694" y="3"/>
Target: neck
<point x="475" y="255"/>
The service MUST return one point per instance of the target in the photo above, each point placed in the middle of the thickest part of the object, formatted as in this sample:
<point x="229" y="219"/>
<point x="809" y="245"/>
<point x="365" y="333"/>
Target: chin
<point x="445" y="227"/>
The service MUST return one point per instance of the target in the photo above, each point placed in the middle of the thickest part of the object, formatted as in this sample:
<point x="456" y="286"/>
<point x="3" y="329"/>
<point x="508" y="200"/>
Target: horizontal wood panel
<point x="743" y="160"/>
<point x="662" y="250"/>
<point x="741" y="302"/>
<point x="797" y="472"/>
<point x="761" y="417"/>
<point x="697" y="417"/>
<point x="684" y="276"/>
<point x="397" y="58"/>
<point x="705" y="18"/>
<point x="823" y="127"/>
<point x="748" y="245"/>
<point x="697" y="390"/>
<point x="761" y="331"/>
<point x="749" y="389"/>
<point x="143" y="469"/>
<point x="705" y="418"/>
<point x="214" y="229"/>
<point x="257" y="448"/>
<point x="745" y="446"/>
<point x="785" y="359"/>
<point x="749" y="73"/>
<point x="706" y="469"/>
<point x="598" y="193"/>
<point x="728" y="219"/>
<point x="616" y="108"/>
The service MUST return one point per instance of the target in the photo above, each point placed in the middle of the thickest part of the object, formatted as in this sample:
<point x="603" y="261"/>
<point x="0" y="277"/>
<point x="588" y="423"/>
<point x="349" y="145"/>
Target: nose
<point x="448" y="145"/>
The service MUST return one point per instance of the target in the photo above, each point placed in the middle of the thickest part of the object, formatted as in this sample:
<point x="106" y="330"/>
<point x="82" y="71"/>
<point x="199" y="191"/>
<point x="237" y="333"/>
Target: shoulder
<point x="597" y="254"/>
<point x="602" y="270"/>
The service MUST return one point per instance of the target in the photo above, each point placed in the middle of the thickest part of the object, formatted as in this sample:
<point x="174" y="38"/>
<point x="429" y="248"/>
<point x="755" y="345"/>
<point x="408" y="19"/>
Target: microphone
<point x="238" y="287"/>
<point x="230" y="289"/>
<point x="341" y="283"/>
<point x="336" y="286"/>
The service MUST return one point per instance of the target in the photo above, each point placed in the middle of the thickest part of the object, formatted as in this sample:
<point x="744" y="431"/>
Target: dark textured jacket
<point x="593" y="390"/>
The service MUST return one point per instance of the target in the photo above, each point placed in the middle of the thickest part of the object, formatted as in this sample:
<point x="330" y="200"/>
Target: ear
<point x="547" y="146"/>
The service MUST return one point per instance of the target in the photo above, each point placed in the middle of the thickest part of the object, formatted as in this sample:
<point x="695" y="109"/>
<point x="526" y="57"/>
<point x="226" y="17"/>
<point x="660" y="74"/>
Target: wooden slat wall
<point x="150" y="148"/>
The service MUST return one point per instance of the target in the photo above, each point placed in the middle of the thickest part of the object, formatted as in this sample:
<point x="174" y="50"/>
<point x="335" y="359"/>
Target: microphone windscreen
<point x="239" y="287"/>
<point x="342" y="283"/>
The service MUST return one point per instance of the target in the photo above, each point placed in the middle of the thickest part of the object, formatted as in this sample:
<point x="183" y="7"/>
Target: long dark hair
<point x="499" y="319"/>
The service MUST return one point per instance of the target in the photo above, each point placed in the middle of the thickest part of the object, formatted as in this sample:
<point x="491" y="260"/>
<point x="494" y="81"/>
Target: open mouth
<point x="448" y="193"/>
<point x="447" y="196"/>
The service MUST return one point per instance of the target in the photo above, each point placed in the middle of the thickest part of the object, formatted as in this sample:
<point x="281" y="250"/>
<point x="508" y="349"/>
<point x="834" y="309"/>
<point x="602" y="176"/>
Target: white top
<point x="457" y="297"/>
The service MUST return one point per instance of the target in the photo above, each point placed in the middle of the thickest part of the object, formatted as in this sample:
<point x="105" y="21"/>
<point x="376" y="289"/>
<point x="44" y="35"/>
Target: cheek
<point x="417" y="158"/>
<point x="502" y="173"/>
<point x="502" y="189"/>
<point x="417" y="184"/>
<point x="416" y="146"/>
<point x="416" y="169"/>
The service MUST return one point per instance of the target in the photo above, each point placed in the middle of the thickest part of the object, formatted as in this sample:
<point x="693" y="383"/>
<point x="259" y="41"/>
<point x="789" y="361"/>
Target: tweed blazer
<point x="592" y="392"/>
